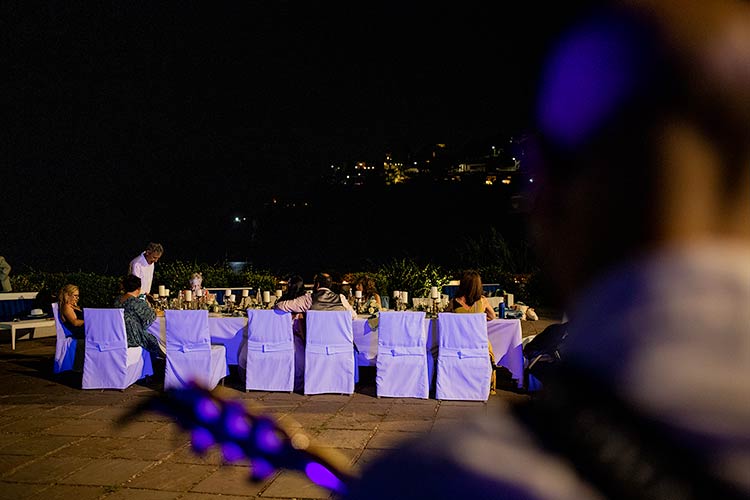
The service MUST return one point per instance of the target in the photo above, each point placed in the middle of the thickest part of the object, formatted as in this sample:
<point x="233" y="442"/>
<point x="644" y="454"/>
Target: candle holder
<point x="228" y="305"/>
<point x="435" y="306"/>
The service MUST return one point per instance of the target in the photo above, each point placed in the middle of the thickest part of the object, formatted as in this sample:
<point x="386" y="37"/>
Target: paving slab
<point x="343" y="438"/>
<point x="229" y="480"/>
<point x="107" y="472"/>
<point x="293" y="484"/>
<point x="172" y="476"/>
<point x="385" y="440"/>
<point x="141" y="494"/>
<point x="209" y="496"/>
<point x="45" y="470"/>
<point x="20" y="491"/>
<point x="67" y="492"/>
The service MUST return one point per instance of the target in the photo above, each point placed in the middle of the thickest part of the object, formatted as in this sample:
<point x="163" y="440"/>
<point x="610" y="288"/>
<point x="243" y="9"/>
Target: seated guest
<point x="322" y="299"/>
<point x="295" y="289"/>
<point x="469" y="296"/>
<point x="71" y="315"/>
<point x="366" y="285"/>
<point x="138" y="317"/>
<point x="469" y="299"/>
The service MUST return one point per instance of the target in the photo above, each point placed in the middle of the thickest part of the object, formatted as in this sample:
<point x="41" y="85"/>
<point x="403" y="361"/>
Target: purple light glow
<point x="236" y="424"/>
<point x="261" y="469"/>
<point x="207" y="410"/>
<point x="323" y="477"/>
<point x="202" y="439"/>
<point x="590" y="75"/>
<point x="266" y="439"/>
<point x="232" y="452"/>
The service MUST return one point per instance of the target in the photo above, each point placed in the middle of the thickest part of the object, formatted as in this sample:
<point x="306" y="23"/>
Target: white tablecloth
<point x="504" y="335"/>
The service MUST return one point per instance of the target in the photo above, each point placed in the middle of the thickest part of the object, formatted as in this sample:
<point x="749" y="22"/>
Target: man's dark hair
<point x="323" y="280"/>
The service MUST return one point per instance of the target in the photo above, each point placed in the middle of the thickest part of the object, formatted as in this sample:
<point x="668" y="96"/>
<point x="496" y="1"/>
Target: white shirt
<point x="141" y="268"/>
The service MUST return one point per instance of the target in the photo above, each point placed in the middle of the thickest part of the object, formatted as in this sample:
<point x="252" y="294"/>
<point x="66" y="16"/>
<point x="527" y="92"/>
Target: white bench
<point x="27" y="324"/>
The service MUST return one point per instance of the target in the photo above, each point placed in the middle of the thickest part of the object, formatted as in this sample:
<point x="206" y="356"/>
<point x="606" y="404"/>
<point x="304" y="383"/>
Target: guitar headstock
<point x="243" y="432"/>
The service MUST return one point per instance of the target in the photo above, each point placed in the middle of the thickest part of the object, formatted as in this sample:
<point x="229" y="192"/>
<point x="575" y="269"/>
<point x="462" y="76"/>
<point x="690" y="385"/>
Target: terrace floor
<point x="58" y="441"/>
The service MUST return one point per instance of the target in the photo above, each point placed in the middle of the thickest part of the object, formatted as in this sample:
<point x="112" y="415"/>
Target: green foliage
<point x="176" y="275"/>
<point x="406" y="275"/>
<point x="96" y="290"/>
<point x="491" y="253"/>
<point x="259" y="279"/>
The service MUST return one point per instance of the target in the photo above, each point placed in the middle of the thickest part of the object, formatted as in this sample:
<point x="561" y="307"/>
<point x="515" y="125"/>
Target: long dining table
<point x="504" y="335"/>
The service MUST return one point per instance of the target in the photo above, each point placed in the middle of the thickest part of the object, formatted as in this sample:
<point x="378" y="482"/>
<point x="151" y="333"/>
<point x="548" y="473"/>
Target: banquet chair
<point x="402" y="362"/>
<point x="269" y="351"/>
<point x="330" y="365"/>
<point x="190" y="355"/>
<point x="463" y="364"/>
<point x="65" y="345"/>
<point x="108" y="361"/>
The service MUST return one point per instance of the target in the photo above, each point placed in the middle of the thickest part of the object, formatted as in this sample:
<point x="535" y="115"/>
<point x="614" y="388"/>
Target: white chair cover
<point x="402" y="362"/>
<point x="190" y="355"/>
<point x="65" y="346"/>
<point x="108" y="362"/>
<point x="463" y="368"/>
<point x="329" y="353"/>
<point x="269" y="351"/>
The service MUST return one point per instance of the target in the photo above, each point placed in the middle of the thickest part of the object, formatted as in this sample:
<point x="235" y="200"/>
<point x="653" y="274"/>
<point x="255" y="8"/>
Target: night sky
<point x="137" y="121"/>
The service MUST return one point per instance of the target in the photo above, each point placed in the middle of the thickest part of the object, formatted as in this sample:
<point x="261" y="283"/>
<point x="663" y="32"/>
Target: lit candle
<point x="405" y="297"/>
<point x="245" y="292"/>
<point x="166" y="292"/>
<point x="266" y="297"/>
<point x="156" y="295"/>
<point x="279" y="293"/>
<point x="434" y="292"/>
<point x="162" y="290"/>
<point x="358" y="294"/>
<point x="227" y="292"/>
<point x="188" y="295"/>
<point x="396" y="294"/>
<point x="231" y="297"/>
<point x="199" y="292"/>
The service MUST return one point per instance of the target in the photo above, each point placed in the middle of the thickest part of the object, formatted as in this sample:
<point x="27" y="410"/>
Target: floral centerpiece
<point x="371" y="307"/>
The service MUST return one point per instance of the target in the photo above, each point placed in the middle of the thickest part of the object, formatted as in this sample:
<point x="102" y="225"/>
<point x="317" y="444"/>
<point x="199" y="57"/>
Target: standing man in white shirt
<point x="143" y="266"/>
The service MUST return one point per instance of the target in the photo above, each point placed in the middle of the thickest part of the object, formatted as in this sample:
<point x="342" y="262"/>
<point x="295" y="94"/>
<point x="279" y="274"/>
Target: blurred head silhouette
<point x="643" y="121"/>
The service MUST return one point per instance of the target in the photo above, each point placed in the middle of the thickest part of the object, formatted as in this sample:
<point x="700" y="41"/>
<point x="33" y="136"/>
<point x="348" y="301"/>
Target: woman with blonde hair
<point x="71" y="315"/>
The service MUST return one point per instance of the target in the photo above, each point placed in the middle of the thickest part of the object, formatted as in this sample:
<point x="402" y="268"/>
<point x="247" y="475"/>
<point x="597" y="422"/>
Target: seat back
<point x="188" y="348"/>
<point x="464" y="370"/>
<point x="329" y="353"/>
<point x="402" y="362"/>
<point x="65" y="344"/>
<point x="270" y="351"/>
<point x="108" y="362"/>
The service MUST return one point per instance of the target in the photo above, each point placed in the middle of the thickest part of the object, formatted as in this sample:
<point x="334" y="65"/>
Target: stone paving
<point x="58" y="441"/>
